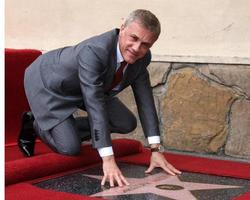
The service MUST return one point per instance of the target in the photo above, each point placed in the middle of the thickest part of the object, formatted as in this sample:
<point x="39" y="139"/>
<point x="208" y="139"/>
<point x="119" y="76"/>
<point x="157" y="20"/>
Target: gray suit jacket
<point x="60" y="81"/>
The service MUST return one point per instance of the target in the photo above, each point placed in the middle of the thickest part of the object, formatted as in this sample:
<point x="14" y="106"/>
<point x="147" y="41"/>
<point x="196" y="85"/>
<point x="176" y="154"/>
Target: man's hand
<point x="112" y="173"/>
<point x="158" y="160"/>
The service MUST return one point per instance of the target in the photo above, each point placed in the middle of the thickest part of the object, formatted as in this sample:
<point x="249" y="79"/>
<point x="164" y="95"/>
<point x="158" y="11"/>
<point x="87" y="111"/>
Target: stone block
<point x="238" y="143"/>
<point x="158" y="72"/>
<point x="235" y="76"/>
<point x="194" y="112"/>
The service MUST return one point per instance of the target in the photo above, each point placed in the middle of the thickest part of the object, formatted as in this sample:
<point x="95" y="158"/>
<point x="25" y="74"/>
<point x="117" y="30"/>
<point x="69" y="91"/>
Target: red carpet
<point x="16" y="62"/>
<point x="243" y="197"/>
<point x="49" y="163"/>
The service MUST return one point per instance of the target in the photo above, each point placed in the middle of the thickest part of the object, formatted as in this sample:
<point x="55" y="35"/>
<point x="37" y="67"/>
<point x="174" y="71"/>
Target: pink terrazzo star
<point x="149" y="185"/>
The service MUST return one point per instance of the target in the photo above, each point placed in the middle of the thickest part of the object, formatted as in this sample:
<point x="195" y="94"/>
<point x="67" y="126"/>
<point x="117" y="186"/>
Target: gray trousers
<point x="66" y="137"/>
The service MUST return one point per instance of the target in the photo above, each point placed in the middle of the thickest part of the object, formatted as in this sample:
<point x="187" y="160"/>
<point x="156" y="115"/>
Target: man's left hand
<point x="158" y="160"/>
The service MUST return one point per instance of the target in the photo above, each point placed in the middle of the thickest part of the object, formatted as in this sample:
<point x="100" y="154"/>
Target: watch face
<point x="161" y="148"/>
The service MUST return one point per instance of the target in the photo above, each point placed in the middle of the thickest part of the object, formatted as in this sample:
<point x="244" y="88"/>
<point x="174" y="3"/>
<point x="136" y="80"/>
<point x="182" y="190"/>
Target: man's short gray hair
<point x="146" y="18"/>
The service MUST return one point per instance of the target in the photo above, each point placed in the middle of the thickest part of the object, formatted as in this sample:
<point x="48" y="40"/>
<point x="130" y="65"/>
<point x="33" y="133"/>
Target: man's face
<point x="135" y="41"/>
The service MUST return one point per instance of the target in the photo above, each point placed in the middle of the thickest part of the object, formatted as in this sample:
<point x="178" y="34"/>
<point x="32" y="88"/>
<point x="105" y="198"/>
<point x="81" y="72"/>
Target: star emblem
<point x="160" y="184"/>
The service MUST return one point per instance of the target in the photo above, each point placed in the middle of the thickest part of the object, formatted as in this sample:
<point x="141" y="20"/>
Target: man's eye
<point x="146" y="45"/>
<point x="133" y="38"/>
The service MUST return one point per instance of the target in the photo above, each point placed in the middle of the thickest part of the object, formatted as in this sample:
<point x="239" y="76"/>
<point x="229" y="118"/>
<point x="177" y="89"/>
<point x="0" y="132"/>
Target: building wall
<point x="189" y="28"/>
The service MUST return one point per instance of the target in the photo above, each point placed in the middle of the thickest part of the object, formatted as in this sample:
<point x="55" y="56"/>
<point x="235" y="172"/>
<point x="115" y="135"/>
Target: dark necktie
<point x="118" y="75"/>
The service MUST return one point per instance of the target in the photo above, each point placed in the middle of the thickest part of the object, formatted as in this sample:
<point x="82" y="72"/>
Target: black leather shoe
<point x="27" y="136"/>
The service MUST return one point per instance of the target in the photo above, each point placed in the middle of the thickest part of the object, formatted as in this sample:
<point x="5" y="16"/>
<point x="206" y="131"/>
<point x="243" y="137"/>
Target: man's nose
<point x="136" y="46"/>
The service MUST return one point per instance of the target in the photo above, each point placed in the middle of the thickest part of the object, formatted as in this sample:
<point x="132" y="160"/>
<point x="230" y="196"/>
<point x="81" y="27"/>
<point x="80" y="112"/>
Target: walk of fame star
<point x="157" y="186"/>
<point x="152" y="182"/>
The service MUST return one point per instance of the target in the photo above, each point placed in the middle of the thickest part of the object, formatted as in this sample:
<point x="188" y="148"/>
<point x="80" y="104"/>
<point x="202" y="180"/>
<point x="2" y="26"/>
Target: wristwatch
<point x="159" y="148"/>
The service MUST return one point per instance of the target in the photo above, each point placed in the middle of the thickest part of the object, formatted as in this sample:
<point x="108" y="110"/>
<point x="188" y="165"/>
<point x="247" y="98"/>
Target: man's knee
<point x="132" y="124"/>
<point x="129" y="125"/>
<point x="69" y="150"/>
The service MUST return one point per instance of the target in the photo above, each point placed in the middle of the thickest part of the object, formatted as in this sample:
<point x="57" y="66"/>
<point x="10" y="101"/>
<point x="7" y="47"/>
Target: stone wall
<point x="202" y="108"/>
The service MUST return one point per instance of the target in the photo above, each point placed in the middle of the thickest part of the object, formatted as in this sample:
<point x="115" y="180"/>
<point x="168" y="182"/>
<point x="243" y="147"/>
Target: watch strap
<point x="160" y="148"/>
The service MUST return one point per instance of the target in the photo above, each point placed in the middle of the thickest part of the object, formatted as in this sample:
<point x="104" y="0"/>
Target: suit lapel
<point x="112" y="65"/>
<point x="111" y="71"/>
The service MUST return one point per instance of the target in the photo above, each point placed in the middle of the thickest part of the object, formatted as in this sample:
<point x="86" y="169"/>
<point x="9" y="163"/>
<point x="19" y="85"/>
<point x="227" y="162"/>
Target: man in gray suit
<point x="88" y="76"/>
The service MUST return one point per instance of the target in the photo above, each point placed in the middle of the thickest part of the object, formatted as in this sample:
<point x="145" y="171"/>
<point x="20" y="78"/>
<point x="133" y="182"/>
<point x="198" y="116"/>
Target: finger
<point x="177" y="171"/>
<point x="124" y="180"/>
<point x="173" y="169"/>
<point x="104" y="180"/>
<point x="150" y="169"/>
<point x="111" y="181"/>
<point x="166" y="169"/>
<point x="118" y="180"/>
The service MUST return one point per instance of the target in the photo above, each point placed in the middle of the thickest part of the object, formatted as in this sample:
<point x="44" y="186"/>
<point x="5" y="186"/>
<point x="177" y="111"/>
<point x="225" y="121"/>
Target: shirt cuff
<point x="154" y="140"/>
<point x="105" y="151"/>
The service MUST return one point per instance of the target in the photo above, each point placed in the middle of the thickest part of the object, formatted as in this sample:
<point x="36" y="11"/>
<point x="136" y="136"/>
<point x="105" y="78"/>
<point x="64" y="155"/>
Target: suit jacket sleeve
<point x="91" y="71"/>
<point x="145" y="102"/>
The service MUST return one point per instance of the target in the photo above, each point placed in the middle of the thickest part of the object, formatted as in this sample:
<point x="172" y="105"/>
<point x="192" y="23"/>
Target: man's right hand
<point x="112" y="173"/>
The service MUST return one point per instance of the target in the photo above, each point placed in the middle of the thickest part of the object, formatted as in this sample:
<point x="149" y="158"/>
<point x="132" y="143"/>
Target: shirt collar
<point x="119" y="54"/>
